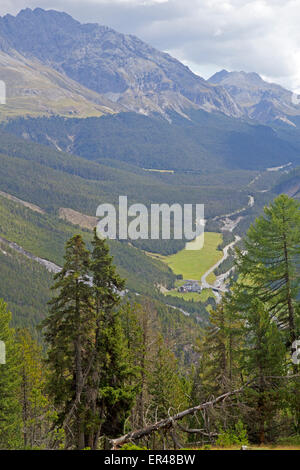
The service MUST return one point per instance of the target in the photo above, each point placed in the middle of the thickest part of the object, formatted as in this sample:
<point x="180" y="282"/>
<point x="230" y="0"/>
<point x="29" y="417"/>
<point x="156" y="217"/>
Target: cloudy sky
<point x="208" y="35"/>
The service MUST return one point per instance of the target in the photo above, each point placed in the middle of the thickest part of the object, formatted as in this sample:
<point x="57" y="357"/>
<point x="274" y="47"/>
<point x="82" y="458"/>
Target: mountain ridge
<point x="126" y="74"/>
<point x="35" y="89"/>
<point x="121" y="67"/>
<point x="260" y="100"/>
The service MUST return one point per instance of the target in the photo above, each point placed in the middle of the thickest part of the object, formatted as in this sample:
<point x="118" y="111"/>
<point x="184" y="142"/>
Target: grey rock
<point x="122" y="67"/>
<point x="260" y="100"/>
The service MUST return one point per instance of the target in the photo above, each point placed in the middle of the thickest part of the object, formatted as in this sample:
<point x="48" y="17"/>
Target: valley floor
<point x="192" y="265"/>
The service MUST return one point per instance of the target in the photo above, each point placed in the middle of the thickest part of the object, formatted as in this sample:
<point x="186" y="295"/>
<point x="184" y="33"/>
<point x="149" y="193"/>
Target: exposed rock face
<point x="127" y="74"/>
<point x="35" y="89"/>
<point x="259" y="100"/>
<point x="123" y="68"/>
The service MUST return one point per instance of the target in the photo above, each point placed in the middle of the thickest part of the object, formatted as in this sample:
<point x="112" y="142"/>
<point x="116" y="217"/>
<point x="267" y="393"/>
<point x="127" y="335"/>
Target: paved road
<point x="229" y="226"/>
<point x="226" y="249"/>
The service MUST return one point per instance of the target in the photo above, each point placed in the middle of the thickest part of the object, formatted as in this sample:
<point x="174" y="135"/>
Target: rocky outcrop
<point x="262" y="101"/>
<point x="121" y="67"/>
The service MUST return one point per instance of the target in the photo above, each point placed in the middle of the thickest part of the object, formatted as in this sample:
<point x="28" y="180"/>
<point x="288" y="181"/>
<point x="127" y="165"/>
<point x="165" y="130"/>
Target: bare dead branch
<point x="168" y="422"/>
<point x="196" y="431"/>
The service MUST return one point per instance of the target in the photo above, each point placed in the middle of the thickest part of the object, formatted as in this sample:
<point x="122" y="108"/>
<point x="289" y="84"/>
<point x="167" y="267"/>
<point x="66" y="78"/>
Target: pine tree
<point x="219" y="369"/>
<point x="263" y="360"/>
<point x="35" y="405"/>
<point x="131" y="318"/>
<point x="215" y="355"/>
<point x="131" y="324"/>
<point x="168" y="391"/>
<point x="270" y="263"/>
<point x="90" y="375"/>
<point x="148" y="322"/>
<point x="113" y="393"/>
<point x="166" y="387"/>
<point x="10" y="409"/>
<point x="269" y="271"/>
<point x="70" y="334"/>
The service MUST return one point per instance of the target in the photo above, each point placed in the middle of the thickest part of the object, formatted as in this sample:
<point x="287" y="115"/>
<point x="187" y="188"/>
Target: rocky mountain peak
<point x="122" y="67"/>
<point x="134" y="75"/>
<point x="259" y="99"/>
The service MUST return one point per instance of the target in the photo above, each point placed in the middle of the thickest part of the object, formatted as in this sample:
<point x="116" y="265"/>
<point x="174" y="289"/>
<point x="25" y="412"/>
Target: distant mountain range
<point x="89" y="70"/>
<point x="54" y="67"/>
<point x="262" y="101"/>
<point x="122" y="68"/>
<point x="92" y="114"/>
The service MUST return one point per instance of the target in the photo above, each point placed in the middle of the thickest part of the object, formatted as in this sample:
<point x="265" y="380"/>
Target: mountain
<point x="28" y="231"/>
<point x="85" y="122"/>
<point x="73" y="69"/>
<point x="55" y="66"/>
<point x="35" y="89"/>
<point x="121" y="67"/>
<point x="206" y="142"/>
<point x="262" y="101"/>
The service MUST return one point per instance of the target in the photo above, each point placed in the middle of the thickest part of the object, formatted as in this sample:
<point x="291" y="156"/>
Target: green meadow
<point x="193" y="264"/>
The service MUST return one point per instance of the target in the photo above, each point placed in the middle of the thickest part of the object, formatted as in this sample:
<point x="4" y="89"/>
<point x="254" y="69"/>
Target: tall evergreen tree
<point x="113" y="393"/>
<point x="168" y="391"/>
<point x="216" y="354"/>
<point x="70" y="334"/>
<point x="221" y="350"/>
<point x="148" y="323"/>
<point x="269" y="265"/>
<point x="35" y="405"/>
<point x="269" y="271"/>
<point x="219" y="369"/>
<point x="131" y="317"/>
<point x="263" y="360"/>
<point x="10" y="409"/>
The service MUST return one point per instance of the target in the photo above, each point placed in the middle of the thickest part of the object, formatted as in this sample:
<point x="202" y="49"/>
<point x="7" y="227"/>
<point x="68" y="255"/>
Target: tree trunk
<point x="168" y="422"/>
<point x="78" y="378"/>
<point x="289" y="296"/>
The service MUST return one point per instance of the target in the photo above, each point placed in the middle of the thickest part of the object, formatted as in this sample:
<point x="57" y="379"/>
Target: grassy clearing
<point x="77" y="218"/>
<point x="193" y="264"/>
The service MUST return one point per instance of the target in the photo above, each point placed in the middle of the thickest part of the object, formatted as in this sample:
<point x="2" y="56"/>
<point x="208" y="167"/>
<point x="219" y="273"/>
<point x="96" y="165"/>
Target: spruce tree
<point x="35" y="404"/>
<point x="10" y="409"/>
<point x="219" y="369"/>
<point x="113" y="393"/>
<point x="167" y="388"/>
<point x="70" y="334"/>
<point x="263" y="360"/>
<point x="269" y="265"/>
<point x="269" y="272"/>
<point x="215" y="355"/>
<point x="148" y="325"/>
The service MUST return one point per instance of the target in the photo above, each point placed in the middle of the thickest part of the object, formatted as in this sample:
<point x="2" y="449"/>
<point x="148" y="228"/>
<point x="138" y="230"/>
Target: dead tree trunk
<point x="168" y="422"/>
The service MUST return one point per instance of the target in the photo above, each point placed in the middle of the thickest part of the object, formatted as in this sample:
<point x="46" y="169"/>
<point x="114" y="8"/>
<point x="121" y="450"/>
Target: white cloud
<point x="250" y="35"/>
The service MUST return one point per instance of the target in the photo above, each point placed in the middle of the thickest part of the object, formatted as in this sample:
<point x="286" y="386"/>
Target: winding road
<point x="217" y="284"/>
<point x="229" y="225"/>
